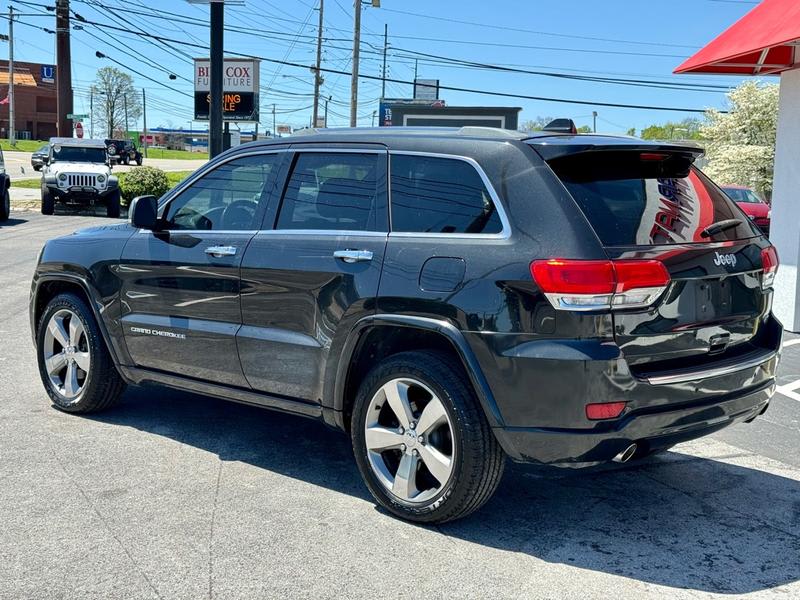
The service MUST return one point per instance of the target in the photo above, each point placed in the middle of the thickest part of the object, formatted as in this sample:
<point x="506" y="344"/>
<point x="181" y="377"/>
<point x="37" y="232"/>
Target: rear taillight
<point x="604" y="410"/>
<point x="769" y="259"/>
<point x="600" y="284"/>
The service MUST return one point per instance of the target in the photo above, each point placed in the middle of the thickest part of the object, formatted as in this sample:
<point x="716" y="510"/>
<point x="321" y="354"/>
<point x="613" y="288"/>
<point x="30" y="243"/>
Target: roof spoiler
<point x="561" y="126"/>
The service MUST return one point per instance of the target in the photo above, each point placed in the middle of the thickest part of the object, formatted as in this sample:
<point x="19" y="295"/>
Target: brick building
<point x="34" y="101"/>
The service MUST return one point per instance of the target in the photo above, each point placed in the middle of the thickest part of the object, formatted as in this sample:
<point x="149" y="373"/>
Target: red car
<point x="752" y="205"/>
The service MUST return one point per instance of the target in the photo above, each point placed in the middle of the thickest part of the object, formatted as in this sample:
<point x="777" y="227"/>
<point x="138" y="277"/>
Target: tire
<point x="112" y="205"/>
<point x="37" y="168"/>
<point x="463" y="440"/>
<point x="138" y="160"/>
<point x="5" y="206"/>
<point x="91" y="390"/>
<point x="48" y="202"/>
<point x="126" y="160"/>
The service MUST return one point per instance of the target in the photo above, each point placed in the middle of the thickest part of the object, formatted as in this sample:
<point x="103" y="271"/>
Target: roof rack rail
<point x="477" y="131"/>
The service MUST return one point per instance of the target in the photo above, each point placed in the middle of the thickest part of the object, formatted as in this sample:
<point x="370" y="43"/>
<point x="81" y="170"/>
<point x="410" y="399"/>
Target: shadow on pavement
<point x="12" y="221"/>
<point x="676" y="520"/>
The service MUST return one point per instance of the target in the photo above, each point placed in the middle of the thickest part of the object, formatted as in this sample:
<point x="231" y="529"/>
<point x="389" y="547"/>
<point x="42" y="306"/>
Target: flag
<point x="4" y="100"/>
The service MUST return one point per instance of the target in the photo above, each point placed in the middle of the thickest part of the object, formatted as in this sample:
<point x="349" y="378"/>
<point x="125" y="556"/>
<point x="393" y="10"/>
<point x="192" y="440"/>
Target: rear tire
<point x="445" y="463"/>
<point x="138" y="160"/>
<point x="112" y="205"/>
<point x="5" y="206"/>
<point x="75" y="366"/>
<point x="48" y="202"/>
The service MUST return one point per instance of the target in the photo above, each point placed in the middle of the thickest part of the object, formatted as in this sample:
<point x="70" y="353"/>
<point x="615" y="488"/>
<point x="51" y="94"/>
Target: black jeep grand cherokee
<point x="446" y="296"/>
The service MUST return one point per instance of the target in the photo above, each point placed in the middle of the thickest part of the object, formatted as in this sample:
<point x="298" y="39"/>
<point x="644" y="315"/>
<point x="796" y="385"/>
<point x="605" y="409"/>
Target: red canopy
<point x="765" y="41"/>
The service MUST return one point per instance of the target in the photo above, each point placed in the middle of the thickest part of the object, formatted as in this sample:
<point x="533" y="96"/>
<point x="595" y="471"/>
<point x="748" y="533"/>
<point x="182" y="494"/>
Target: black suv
<point x="124" y="152"/>
<point x="446" y="296"/>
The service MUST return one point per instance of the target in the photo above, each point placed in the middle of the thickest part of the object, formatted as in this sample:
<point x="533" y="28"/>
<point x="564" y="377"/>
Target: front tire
<point x="112" y="205"/>
<point x="5" y="206"/>
<point x="48" y="202"/>
<point x="421" y="441"/>
<point x="74" y="363"/>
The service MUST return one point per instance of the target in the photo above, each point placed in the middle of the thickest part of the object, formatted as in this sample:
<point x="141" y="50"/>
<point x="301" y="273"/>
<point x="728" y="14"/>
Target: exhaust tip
<point x="626" y="454"/>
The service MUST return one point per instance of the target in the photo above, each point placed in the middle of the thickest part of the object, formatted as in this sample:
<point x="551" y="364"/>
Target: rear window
<point x="639" y="199"/>
<point x="742" y="195"/>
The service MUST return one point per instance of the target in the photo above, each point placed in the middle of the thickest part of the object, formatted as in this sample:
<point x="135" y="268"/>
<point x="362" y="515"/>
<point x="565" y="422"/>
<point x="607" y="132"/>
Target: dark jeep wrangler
<point x="448" y="297"/>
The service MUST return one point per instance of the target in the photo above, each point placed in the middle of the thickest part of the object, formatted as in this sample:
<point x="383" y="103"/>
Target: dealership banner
<point x="240" y="89"/>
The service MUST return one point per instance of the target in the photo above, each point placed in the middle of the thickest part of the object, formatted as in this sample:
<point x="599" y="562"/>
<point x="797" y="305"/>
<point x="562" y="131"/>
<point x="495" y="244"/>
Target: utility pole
<point x="328" y="99"/>
<point x="356" y="51"/>
<point x="11" y="114"/>
<point x="91" y="113"/>
<point x="374" y="114"/>
<point x="594" y="119"/>
<point x="274" y="131"/>
<point x="414" y="85"/>
<point x="63" y="68"/>
<point x="215" y="110"/>
<point x="144" y="125"/>
<point x="385" y="48"/>
<point x="317" y="75"/>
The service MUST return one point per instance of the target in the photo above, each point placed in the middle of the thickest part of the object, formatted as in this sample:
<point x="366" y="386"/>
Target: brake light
<point x="604" y="410"/>
<point x="600" y="284"/>
<point x="769" y="259"/>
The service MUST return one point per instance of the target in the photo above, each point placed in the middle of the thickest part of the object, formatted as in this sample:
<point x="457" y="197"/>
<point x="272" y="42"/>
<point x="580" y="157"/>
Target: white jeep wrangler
<point x="77" y="172"/>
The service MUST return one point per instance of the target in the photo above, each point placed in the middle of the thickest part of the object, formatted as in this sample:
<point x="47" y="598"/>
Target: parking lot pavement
<point x="173" y="495"/>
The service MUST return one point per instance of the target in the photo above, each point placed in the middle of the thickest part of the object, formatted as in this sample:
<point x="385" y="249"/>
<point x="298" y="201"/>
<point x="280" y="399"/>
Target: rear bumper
<point x="650" y="430"/>
<point x="541" y="389"/>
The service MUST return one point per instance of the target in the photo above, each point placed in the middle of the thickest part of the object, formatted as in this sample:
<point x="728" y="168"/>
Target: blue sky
<point x="649" y="40"/>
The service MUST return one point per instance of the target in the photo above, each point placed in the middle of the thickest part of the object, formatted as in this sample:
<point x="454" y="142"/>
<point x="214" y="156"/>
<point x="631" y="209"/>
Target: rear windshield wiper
<point x="719" y="226"/>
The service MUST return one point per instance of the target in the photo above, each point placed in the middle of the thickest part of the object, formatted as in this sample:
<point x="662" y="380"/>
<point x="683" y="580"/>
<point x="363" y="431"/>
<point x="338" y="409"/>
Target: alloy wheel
<point x="67" y="358"/>
<point x="409" y="440"/>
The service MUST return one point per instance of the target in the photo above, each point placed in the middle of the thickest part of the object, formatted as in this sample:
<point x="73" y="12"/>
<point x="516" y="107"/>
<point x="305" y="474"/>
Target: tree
<point x="741" y="143"/>
<point x="113" y="92"/>
<point x="688" y="129"/>
<point x="584" y="129"/>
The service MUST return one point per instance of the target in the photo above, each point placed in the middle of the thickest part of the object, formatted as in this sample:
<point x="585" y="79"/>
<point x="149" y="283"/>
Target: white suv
<point x="78" y="172"/>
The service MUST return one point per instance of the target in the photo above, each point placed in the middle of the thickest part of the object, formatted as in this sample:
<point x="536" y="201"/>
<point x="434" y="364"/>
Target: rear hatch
<point x="650" y="203"/>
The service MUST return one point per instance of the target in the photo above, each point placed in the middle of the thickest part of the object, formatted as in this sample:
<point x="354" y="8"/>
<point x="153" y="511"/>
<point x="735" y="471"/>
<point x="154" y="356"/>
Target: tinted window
<point x="78" y="154"/>
<point x="226" y="198"/>
<point x="335" y="191"/>
<point x="629" y="200"/>
<point x="440" y="195"/>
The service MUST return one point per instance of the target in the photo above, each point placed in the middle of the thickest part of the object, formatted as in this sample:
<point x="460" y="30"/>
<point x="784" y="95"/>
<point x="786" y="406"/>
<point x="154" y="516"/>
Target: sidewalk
<point x="24" y="198"/>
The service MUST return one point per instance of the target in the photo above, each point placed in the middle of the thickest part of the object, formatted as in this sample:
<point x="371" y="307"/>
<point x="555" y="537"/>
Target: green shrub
<point x="143" y="181"/>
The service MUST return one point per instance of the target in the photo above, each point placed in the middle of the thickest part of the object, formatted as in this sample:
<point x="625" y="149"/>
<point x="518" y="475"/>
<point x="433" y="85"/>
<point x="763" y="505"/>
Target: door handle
<point x="353" y="256"/>
<point x="220" y="251"/>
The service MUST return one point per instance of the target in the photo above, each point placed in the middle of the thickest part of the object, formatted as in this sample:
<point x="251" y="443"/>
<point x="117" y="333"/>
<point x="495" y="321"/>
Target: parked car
<point x="447" y="297"/>
<point x="5" y="185"/>
<point x="124" y="152"/>
<point x="77" y="172"/>
<point x="751" y="204"/>
<point x="38" y="157"/>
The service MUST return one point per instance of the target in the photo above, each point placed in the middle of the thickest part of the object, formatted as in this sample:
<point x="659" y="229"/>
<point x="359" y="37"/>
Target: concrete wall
<point x="785" y="227"/>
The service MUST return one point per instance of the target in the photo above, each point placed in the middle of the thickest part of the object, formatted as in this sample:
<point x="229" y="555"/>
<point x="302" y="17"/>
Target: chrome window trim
<point x="504" y="233"/>
<point x="324" y="232"/>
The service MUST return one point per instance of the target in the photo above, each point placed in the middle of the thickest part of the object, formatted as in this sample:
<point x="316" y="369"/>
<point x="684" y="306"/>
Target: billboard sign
<point x="426" y="89"/>
<point x="240" y="84"/>
<point x="386" y="104"/>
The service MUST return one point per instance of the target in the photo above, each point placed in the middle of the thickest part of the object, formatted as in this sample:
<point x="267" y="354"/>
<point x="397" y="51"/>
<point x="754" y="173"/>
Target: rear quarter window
<point x="632" y="202"/>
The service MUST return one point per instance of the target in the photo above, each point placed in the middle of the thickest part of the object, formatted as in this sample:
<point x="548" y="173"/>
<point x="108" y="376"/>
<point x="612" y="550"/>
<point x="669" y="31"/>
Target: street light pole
<point x="594" y="119"/>
<point x="328" y="99"/>
<point x="274" y="132"/>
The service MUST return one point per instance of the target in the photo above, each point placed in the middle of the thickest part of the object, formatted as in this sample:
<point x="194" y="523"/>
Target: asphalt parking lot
<point x="173" y="495"/>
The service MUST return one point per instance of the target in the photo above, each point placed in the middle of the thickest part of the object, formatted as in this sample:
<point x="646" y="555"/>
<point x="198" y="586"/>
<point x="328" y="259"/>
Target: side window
<point x="226" y="198"/>
<point x="336" y="191"/>
<point x="440" y="195"/>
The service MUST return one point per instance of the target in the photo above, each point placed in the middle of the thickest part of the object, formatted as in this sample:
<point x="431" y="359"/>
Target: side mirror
<point x="144" y="212"/>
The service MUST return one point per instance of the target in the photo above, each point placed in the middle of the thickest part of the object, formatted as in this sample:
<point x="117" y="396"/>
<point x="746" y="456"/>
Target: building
<point x="434" y="113"/>
<point x="766" y="41"/>
<point x="35" y="101"/>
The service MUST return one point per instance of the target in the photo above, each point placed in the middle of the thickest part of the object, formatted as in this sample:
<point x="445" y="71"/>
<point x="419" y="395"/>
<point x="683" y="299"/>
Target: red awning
<point x="765" y="41"/>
